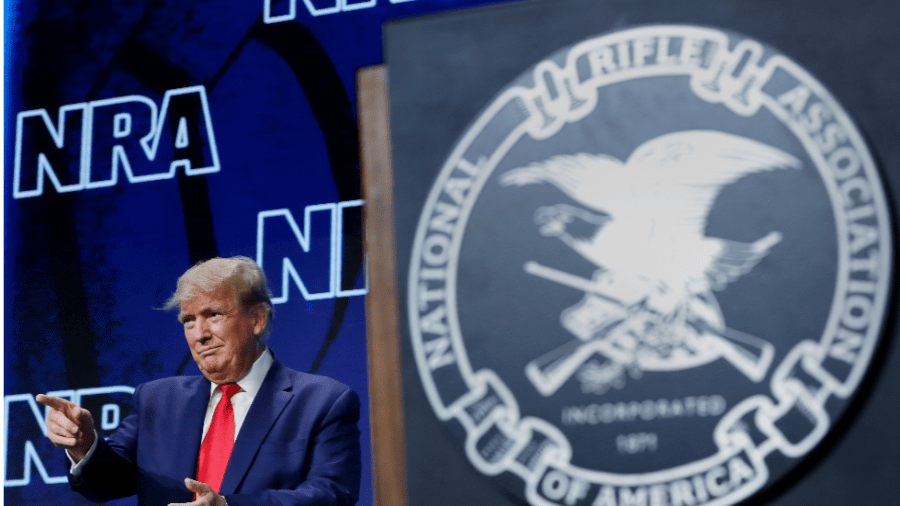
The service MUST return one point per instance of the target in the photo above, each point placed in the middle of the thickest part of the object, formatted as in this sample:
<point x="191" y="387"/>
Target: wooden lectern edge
<point x="382" y="307"/>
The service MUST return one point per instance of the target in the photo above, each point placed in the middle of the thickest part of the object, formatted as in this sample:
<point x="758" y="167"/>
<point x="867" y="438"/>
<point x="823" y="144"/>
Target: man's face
<point x="223" y="340"/>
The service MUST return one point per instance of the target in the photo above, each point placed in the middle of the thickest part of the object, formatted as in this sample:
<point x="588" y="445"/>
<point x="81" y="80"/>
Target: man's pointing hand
<point x="69" y="426"/>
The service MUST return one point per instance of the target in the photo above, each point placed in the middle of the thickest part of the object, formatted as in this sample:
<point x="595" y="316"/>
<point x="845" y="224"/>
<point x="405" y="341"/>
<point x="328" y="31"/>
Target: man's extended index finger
<point x="56" y="403"/>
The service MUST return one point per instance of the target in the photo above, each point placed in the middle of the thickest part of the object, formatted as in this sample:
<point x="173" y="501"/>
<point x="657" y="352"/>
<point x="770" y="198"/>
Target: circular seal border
<point x="498" y="438"/>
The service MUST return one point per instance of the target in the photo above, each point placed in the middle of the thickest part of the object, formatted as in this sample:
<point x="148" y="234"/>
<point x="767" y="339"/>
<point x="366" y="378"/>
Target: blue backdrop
<point x="143" y="136"/>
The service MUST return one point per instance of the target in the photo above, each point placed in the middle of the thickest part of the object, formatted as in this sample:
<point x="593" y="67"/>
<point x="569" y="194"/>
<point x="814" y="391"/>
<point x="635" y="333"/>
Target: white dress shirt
<point x="241" y="402"/>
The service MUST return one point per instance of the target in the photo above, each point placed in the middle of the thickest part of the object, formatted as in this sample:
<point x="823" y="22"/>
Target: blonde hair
<point x="246" y="279"/>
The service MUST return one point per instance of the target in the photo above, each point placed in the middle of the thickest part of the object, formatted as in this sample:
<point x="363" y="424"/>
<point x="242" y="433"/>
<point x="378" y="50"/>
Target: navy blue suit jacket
<point x="299" y="444"/>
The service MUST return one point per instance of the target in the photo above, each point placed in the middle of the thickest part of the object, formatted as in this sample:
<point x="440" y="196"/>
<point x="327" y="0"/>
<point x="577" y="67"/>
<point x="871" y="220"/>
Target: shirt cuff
<point x="75" y="467"/>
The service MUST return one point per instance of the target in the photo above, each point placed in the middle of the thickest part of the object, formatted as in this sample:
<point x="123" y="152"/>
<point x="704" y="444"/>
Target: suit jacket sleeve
<point x="333" y="461"/>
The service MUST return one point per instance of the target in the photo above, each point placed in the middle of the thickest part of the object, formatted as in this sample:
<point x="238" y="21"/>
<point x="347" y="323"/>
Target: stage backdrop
<point x="644" y="252"/>
<point x="143" y="137"/>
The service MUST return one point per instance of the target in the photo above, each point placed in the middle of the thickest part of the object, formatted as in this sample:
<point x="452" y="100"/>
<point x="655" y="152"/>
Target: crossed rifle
<point x="748" y="354"/>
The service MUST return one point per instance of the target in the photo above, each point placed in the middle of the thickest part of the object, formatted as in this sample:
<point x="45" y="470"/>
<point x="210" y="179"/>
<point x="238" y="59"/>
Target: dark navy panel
<point x="461" y="62"/>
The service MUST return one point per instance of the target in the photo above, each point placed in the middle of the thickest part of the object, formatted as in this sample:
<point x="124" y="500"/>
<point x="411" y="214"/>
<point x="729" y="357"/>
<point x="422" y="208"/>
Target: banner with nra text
<point x="145" y="136"/>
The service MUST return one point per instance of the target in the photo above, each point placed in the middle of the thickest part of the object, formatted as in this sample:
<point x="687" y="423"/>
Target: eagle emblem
<point x="650" y="304"/>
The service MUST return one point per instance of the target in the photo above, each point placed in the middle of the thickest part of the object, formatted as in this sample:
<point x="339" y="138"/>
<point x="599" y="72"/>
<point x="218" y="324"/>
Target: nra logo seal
<point x="652" y="272"/>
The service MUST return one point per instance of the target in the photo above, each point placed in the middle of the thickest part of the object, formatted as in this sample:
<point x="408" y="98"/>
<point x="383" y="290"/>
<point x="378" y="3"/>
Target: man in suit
<point x="270" y="435"/>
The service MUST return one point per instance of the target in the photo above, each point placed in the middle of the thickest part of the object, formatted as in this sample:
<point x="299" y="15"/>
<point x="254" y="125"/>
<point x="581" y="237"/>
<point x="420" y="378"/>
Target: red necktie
<point x="216" y="448"/>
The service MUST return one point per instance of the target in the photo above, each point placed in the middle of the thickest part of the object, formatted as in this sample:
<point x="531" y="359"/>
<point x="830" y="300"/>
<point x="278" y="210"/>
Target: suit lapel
<point x="274" y="394"/>
<point x="186" y="441"/>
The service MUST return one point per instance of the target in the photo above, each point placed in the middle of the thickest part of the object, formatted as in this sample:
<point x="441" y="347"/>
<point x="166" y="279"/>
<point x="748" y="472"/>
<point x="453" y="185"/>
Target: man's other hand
<point x="203" y="493"/>
<point x="69" y="426"/>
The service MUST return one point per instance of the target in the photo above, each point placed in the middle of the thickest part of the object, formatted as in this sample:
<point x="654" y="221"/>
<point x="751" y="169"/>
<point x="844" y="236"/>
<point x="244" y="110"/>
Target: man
<point x="270" y="435"/>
